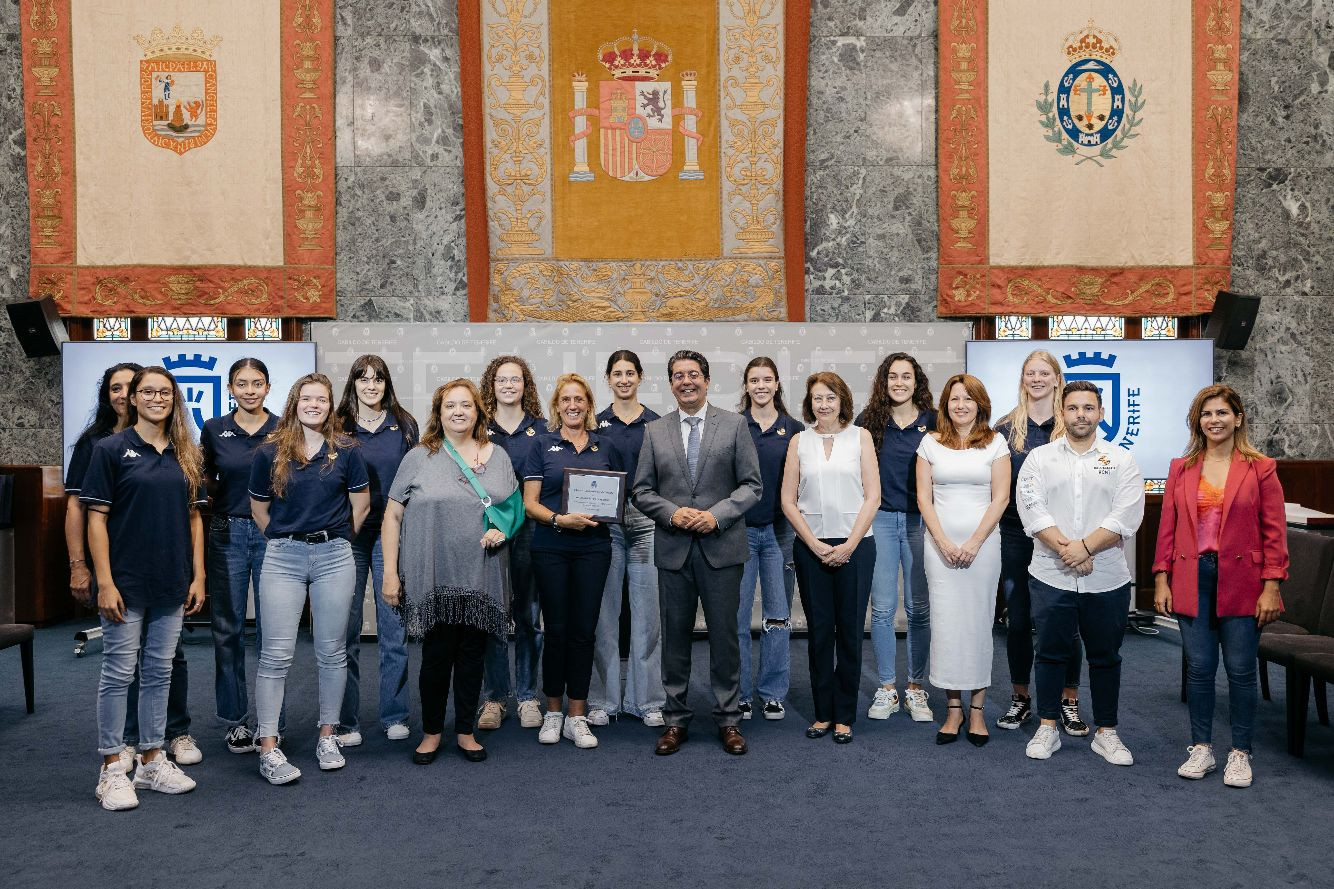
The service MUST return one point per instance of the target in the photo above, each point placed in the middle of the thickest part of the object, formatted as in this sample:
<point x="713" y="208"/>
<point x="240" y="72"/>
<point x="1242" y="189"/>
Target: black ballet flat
<point x="814" y="732"/>
<point x="949" y="737"/>
<point x="478" y="755"/>
<point x="843" y="737"/>
<point x="975" y="739"/>
<point x="424" y="759"/>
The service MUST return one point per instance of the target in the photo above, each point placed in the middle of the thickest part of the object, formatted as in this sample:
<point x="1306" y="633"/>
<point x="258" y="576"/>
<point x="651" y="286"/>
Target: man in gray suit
<point x="698" y="475"/>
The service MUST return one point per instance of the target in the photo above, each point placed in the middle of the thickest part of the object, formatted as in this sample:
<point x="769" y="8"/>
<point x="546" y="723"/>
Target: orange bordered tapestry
<point x="1086" y="166"/>
<point x="638" y="161"/>
<point x="181" y="162"/>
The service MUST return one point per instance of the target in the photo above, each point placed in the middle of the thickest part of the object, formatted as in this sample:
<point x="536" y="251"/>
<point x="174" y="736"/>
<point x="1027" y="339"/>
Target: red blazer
<point x="1252" y="540"/>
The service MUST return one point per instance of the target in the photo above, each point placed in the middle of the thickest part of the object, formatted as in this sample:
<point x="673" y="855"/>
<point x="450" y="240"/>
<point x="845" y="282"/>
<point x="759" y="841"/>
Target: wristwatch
<point x="554" y="516"/>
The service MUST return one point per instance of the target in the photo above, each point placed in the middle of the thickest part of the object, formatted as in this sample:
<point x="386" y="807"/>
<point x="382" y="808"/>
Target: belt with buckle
<point x="317" y="537"/>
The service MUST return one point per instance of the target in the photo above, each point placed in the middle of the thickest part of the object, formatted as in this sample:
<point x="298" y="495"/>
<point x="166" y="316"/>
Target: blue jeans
<point x="898" y="546"/>
<point x="770" y="563"/>
<point x="178" y="703"/>
<point x="632" y="556"/>
<point x="235" y="557"/>
<point x="291" y="568"/>
<point x="1016" y="556"/>
<point x="1201" y="638"/>
<point x="390" y="636"/>
<point x="527" y="614"/>
<point x="158" y="632"/>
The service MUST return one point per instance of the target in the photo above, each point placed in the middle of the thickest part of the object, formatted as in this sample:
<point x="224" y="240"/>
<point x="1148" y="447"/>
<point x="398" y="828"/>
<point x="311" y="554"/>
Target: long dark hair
<point x="104" y="418"/>
<point x="347" y="407"/>
<point x="763" y="361"/>
<point x="879" y="407"/>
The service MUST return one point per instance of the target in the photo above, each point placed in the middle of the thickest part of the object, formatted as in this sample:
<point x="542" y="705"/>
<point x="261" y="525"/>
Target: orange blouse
<point x="1209" y="509"/>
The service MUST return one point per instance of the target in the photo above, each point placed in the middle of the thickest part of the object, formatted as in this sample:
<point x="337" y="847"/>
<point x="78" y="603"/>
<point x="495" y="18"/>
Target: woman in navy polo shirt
<point x="235" y="543"/>
<point x="110" y="416"/>
<point x="898" y="414"/>
<point x="142" y="491"/>
<point x="571" y="555"/>
<point x="771" y="539"/>
<point x="308" y="492"/>
<point x="510" y="399"/>
<point x="370" y="411"/>
<point x="621" y="426"/>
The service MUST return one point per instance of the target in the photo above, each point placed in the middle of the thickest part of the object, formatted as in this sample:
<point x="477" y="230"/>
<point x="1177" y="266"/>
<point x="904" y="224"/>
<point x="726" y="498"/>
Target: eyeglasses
<point x="154" y="394"/>
<point x="504" y="381"/>
<point x="693" y="376"/>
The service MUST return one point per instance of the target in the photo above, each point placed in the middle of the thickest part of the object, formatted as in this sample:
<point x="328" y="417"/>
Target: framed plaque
<point x="595" y="492"/>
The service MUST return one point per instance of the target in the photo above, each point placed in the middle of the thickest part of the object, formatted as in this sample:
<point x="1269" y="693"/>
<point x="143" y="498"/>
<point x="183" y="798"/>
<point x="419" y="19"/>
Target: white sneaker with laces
<point x="530" y="714"/>
<point x="653" y="719"/>
<point x="114" y="790"/>
<point x="348" y="739"/>
<point x="127" y="759"/>
<point x="552" y="722"/>
<point x="397" y="732"/>
<point x="1237" y="772"/>
<point x="162" y="775"/>
<point x="328" y="754"/>
<point x="577" y="730"/>
<point x="1200" y="763"/>
<point x="885" y="703"/>
<point x="1046" y="741"/>
<point x="1107" y="744"/>
<point x="919" y="709"/>
<point x="274" y="767"/>
<point x="185" y="751"/>
<point x="598" y="716"/>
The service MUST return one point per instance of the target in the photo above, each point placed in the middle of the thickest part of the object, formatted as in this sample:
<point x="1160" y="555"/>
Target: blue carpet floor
<point x="891" y="809"/>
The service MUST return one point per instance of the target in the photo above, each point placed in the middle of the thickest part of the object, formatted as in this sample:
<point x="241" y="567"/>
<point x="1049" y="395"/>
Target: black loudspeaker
<point x="38" y="326"/>
<point x="1232" y="319"/>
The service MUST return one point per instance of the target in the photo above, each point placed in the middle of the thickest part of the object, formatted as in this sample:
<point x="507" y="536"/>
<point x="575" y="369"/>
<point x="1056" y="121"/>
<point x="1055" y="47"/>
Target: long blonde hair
<point x="1018" y="418"/>
<point x="290" y="436"/>
<point x="1240" y="440"/>
<point x="188" y="453"/>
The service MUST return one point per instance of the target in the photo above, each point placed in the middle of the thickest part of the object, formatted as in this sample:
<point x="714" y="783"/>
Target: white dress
<point x="963" y="600"/>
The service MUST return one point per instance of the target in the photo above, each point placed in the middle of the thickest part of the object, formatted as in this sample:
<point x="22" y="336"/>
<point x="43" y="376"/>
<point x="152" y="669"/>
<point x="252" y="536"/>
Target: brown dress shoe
<point x="671" y="740"/>
<point x="733" y="743"/>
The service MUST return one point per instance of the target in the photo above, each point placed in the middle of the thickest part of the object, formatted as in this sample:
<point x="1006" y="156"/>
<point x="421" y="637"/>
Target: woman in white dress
<point x="963" y="485"/>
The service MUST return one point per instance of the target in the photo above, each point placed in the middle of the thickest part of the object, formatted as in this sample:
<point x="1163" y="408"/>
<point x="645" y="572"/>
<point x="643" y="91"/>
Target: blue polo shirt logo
<point x="604" y="424"/>
<point x="555" y="448"/>
<point x="228" y="434"/>
<point x="782" y="430"/>
<point x="530" y="431"/>
<point x="131" y="452"/>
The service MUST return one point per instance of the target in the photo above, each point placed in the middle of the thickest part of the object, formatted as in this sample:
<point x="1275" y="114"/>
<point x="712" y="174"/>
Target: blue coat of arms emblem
<point x="1092" y="115"/>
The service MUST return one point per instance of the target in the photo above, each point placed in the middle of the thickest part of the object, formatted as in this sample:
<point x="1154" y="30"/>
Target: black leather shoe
<point x="424" y="759"/>
<point x="950" y="737"/>
<point x="816" y="732"/>
<point x="978" y="740"/>
<point x="843" y="737"/>
<point x="478" y="755"/>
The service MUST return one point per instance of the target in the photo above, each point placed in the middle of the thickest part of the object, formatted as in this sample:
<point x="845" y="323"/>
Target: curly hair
<point x="532" y="405"/>
<point x="880" y="406"/>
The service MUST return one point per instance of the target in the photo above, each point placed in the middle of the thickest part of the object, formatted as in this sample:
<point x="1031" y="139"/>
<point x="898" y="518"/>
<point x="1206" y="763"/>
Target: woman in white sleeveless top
<point x="963" y="485"/>
<point x="831" y="491"/>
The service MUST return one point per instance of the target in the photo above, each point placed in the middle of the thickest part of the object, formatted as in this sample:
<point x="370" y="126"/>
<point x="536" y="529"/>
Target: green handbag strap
<point x="468" y="474"/>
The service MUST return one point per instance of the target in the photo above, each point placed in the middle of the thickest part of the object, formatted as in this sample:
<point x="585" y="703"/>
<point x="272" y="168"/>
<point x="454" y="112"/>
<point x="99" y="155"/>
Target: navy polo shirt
<point x="771" y="445"/>
<point x="228" y="450"/>
<point x="315" y="498"/>
<point x="898" y="462"/>
<point x="520" y="442"/>
<point x="624" y="438"/>
<point x="149" y="519"/>
<point x="547" y="461"/>
<point x="78" y="461"/>
<point x="383" y="450"/>
<point x="1038" y="434"/>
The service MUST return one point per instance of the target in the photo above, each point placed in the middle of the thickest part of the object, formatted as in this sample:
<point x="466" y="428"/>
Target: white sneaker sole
<point x="398" y="732"/>
<point x="332" y="766"/>
<point x="1098" y="749"/>
<point x="113" y="807"/>
<point x="544" y="739"/>
<point x="242" y="750"/>
<point x="600" y="723"/>
<point x="1042" y="752"/>
<point x="881" y="713"/>
<point x="772" y="717"/>
<point x="1233" y="782"/>
<point x="352" y="741"/>
<point x="281" y="779"/>
<point x="584" y="745"/>
<point x="1192" y="776"/>
<point x="193" y="758"/>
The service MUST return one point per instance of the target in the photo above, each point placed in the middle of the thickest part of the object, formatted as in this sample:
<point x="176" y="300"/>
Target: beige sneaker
<point x="493" y="714"/>
<point x="530" y="714"/>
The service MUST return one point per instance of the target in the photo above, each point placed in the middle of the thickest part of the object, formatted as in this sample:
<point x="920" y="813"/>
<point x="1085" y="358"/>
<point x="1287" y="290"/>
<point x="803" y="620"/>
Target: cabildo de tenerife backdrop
<point x="871" y="192"/>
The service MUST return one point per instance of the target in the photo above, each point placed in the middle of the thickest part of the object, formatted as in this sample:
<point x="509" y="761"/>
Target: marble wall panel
<point x="9" y="16"/>
<point x="382" y="132"/>
<point x="436" y="105"/>
<point x="1284" y="118"/>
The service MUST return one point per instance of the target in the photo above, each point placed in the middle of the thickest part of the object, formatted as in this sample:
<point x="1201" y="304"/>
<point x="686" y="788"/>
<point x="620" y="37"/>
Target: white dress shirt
<point x="1078" y="493"/>
<point x="685" y="427"/>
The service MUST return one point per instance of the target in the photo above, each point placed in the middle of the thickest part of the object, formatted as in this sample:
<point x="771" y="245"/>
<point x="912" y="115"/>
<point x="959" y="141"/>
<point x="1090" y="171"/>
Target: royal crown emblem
<point x="1092" y="116"/>
<point x="178" y="88"/>
<point x="635" y="114"/>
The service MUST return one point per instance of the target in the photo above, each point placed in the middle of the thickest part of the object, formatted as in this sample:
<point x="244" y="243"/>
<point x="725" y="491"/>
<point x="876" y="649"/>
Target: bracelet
<point x="1086" y="547"/>
<point x="73" y="562"/>
<point x="554" y="516"/>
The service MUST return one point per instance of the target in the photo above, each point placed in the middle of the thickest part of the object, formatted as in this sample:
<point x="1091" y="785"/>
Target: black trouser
<point x="447" y="648"/>
<point x="835" y="601"/>
<point x="569" y="586"/>
<point x="1101" y="620"/>
<point x="681" y="594"/>
<point x="1016" y="555"/>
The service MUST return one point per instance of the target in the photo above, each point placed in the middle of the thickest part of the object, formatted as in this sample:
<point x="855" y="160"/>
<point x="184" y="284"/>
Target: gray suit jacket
<point x="728" y="486"/>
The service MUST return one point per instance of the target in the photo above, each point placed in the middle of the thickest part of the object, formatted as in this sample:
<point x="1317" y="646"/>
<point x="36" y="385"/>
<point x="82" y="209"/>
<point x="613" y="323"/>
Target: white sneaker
<point x="1237" y="772"/>
<point x="530" y="714"/>
<point x="397" y="732"/>
<point x="114" y="790"/>
<point x="162" y="775"/>
<point x="492" y="715"/>
<point x="1200" y="763"/>
<point x="1107" y="744"/>
<point x="127" y="759"/>
<point x="653" y="719"/>
<point x="917" y="706"/>
<point x="185" y="751"/>
<point x="577" y="730"/>
<point x="551" y="726"/>
<point x="598" y="716"/>
<point x="348" y="739"/>
<point x="885" y="704"/>
<point x="1046" y="741"/>
<point x="328" y="754"/>
<point x="274" y="767"/>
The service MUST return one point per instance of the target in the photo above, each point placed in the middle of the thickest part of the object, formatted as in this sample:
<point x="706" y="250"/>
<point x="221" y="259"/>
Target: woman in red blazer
<point x="1222" y="551"/>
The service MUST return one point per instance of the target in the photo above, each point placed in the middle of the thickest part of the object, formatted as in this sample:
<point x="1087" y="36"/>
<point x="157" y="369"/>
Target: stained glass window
<point x="1086" y="327"/>
<point x="111" y="329"/>
<point x="1014" y="327"/>
<point x="263" y="328"/>
<point x="178" y="327"/>
<point x="1155" y="485"/>
<point x="1158" y="327"/>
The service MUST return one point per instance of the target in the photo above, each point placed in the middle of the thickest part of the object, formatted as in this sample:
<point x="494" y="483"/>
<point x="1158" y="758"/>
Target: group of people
<point x="460" y="529"/>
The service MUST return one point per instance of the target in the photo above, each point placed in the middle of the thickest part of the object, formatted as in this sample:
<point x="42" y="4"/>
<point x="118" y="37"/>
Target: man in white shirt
<point x="1081" y="498"/>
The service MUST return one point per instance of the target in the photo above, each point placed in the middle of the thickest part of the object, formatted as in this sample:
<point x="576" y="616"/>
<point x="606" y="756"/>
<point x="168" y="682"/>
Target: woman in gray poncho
<point x="443" y="568"/>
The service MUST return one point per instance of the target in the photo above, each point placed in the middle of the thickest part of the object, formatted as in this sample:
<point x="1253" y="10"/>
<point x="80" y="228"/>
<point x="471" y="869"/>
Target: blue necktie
<point x="692" y="446"/>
